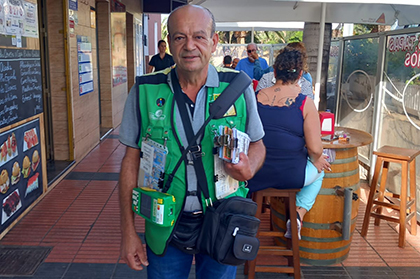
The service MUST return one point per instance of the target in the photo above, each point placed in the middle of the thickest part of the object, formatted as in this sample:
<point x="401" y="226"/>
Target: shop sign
<point x="73" y="5"/>
<point x="408" y="43"/>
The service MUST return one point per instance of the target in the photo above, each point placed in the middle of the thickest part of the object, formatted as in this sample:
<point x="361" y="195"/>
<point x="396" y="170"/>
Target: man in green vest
<point x="151" y="113"/>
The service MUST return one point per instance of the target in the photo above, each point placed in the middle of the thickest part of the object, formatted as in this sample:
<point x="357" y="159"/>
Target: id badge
<point x="152" y="164"/>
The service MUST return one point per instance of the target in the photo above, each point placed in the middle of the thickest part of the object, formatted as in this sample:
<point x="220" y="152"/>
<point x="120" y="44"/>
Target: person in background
<point x="227" y="61"/>
<point x="292" y="136"/>
<point x="162" y="60"/>
<point x="235" y="62"/>
<point x="150" y="106"/>
<point x="247" y="64"/>
<point x="268" y="78"/>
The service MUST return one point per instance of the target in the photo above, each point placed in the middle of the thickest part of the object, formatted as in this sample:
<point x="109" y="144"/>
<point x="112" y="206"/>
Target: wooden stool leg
<point x="381" y="193"/>
<point x="412" y="170"/>
<point x="295" y="237"/>
<point x="372" y="192"/>
<point x="403" y="203"/>
<point x="250" y="267"/>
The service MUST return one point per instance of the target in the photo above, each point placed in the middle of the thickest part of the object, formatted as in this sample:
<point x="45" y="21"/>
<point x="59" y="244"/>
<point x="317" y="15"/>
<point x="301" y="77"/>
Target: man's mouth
<point x="190" y="57"/>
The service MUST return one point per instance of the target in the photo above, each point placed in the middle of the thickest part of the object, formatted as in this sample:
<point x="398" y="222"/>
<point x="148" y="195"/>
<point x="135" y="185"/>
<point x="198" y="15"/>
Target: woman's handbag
<point x="229" y="231"/>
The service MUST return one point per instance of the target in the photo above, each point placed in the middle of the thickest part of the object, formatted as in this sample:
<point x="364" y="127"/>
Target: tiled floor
<point x="79" y="218"/>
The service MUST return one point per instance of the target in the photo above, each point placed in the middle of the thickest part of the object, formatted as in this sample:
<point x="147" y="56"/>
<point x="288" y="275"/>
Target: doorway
<point x="54" y="167"/>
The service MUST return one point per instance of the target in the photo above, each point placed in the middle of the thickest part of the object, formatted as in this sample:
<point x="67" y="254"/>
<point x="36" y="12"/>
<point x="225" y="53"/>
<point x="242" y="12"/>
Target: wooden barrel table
<point x="322" y="240"/>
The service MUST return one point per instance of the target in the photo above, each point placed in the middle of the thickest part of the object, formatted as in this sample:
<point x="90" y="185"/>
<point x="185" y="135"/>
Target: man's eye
<point x="178" y="38"/>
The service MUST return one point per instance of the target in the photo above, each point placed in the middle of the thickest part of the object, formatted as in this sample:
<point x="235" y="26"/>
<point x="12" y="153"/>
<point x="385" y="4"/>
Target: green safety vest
<point x="157" y="111"/>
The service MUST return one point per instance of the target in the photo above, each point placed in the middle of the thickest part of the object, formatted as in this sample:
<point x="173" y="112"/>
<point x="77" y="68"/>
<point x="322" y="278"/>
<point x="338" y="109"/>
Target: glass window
<point x="355" y="108"/>
<point x="400" y="109"/>
<point x="332" y="75"/>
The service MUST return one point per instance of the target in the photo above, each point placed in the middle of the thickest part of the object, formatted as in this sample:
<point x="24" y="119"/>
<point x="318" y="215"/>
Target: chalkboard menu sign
<point x="20" y="85"/>
<point x="20" y="170"/>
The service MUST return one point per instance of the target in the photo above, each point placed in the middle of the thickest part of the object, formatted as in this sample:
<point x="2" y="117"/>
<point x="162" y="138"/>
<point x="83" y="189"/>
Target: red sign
<point x="71" y="27"/>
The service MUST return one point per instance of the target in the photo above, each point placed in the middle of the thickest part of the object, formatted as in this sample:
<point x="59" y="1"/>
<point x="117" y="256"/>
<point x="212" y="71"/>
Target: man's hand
<point x="253" y="56"/>
<point x="133" y="252"/>
<point x="248" y="165"/>
<point x="240" y="171"/>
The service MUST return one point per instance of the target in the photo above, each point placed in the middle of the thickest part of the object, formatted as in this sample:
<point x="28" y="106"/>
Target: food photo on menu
<point x="15" y="173"/>
<point x="4" y="181"/>
<point x="26" y="167"/>
<point x="35" y="160"/>
<point x="11" y="204"/>
<point x="8" y="149"/>
<point x="30" y="139"/>
<point x="33" y="184"/>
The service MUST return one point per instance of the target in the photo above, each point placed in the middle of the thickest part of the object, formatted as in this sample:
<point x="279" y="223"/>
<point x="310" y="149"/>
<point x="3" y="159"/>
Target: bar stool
<point x="407" y="205"/>
<point x="291" y="251"/>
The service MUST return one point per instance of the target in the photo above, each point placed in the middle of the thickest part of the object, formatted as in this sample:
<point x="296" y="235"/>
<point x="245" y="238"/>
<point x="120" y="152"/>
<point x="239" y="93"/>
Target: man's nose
<point x="189" y="44"/>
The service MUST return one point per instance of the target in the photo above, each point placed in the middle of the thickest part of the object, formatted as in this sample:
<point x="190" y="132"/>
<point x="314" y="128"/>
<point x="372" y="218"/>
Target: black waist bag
<point x="229" y="231"/>
<point x="187" y="232"/>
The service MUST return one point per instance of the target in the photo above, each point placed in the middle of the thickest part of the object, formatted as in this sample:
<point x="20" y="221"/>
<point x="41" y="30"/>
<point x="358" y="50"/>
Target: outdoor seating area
<point x="79" y="220"/>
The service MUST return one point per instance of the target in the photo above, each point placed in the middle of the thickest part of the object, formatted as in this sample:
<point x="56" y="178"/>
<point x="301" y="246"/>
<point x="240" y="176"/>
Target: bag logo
<point x="247" y="248"/>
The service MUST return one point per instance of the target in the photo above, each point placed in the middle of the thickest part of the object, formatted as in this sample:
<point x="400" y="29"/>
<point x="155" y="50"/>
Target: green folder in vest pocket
<point x="154" y="206"/>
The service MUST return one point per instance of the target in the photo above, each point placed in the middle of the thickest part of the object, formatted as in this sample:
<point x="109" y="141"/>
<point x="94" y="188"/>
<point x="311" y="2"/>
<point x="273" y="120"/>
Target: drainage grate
<point x="21" y="260"/>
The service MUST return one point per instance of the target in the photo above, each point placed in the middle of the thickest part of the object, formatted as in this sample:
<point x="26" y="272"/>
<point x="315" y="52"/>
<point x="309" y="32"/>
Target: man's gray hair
<point x="252" y="44"/>
<point x="213" y="22"/>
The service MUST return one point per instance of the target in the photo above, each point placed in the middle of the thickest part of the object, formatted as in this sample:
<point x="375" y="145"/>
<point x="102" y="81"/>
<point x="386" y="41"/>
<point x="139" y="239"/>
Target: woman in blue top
<point x="292" y="138"/>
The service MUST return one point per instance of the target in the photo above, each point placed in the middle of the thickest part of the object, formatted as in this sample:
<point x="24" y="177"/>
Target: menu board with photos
<point x="20" y="85"/>
<point x="20" y="170"/>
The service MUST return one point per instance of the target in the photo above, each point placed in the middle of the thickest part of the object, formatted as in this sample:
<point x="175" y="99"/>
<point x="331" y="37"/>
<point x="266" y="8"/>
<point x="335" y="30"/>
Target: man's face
<point x="190" y="39"/>
<point x="162" y="47"/>
<point x="250" y="49"/>
<point x="235" y="62"/>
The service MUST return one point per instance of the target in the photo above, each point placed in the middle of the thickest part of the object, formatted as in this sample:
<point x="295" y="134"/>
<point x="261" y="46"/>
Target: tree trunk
<point x="240" y="37"/>
<point x="311" y="40"/>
